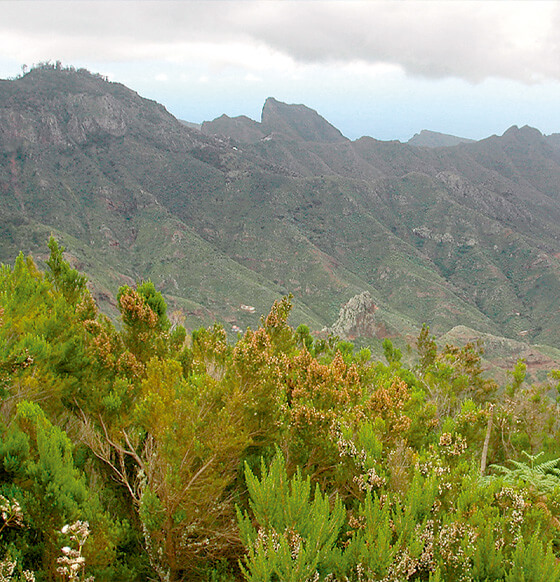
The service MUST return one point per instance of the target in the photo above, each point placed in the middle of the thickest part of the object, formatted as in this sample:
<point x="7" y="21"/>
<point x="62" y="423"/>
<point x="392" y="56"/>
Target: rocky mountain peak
<point x="298" y="122"/>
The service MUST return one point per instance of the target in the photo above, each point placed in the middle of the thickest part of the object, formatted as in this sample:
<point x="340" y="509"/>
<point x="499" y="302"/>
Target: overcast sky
<point x="385" y="69"/>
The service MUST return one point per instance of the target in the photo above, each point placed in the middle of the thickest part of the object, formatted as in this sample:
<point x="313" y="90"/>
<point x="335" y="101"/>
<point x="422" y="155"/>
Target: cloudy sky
<point x="382" y="68"/>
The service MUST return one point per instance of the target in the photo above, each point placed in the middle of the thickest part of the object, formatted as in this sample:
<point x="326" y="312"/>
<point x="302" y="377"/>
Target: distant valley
<point x="228" y="217"/>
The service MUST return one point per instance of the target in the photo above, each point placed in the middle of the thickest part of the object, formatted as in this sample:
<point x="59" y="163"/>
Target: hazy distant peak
<point x="298" y="121"/>
<point x="523" y="137"/>
<point x="434" y="139"/>
<point x="526" y="131"/>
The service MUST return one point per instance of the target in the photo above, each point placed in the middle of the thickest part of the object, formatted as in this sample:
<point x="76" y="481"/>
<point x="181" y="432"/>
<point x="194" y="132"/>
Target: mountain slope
<point x="244" y="211"/>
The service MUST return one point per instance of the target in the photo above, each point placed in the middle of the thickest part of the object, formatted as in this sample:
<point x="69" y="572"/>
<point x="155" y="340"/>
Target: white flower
<point x="66" y="550"/>
<point x="65" y="529"/>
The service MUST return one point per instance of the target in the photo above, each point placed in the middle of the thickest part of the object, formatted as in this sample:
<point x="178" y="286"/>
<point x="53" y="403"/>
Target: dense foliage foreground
<point x="142" y="454"/>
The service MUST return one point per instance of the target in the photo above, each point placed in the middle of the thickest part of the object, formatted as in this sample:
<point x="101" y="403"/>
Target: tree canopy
<point x="139" y="451"/>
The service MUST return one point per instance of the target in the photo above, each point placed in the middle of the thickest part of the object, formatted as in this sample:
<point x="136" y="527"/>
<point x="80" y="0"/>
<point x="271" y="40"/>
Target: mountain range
<point x="232" y="215"/>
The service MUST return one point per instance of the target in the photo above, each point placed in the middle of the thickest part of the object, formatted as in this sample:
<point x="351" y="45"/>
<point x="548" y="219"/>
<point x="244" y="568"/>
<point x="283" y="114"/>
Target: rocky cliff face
<point x="357" y="318"/>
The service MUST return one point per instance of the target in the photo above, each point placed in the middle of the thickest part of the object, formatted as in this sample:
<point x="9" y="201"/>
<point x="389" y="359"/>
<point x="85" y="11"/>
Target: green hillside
<point x="243" y="212"/>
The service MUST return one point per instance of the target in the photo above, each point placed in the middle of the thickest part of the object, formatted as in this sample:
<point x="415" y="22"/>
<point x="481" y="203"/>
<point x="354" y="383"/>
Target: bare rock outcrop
<point x="357" y="318"/>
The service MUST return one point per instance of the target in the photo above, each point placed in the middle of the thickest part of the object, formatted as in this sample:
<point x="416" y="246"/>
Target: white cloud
<point x="251" y="78"/>
<point x="469" y="40"/>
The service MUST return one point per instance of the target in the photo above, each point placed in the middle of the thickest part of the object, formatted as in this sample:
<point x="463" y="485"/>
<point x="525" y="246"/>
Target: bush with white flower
<point x="72" y="563"/>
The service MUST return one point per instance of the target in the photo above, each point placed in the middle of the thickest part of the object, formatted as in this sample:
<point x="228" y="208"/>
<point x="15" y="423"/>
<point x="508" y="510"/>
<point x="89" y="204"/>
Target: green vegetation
<point x="143" y="452"/>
